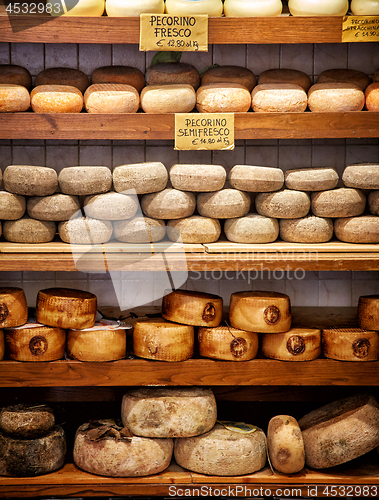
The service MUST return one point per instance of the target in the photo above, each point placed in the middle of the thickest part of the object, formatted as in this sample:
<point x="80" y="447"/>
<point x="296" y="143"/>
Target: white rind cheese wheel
<point x="285" y="444"/>
<point x="284" y="204"/>
<point x="368" y="312"/>
<point x="26" y="420"/>
<point x="144" y="178"/>
<point x="318" y="7"/>
<point x="340" y="431"/>
<point x="227" y="343"/>
<point x="57" y="207"/>
<point x="63" y="77"/>
<point x="111" y="98"/>
<point x="169" y="412"/>
<point x="56" y="99"/>
<point x="15" y="75"/>
<point x="35" y="344"/>
<point x="213" y="8"/>
<point x="139" y="230"/>
<point x="66" y="308"/>
<point x="223" y="204"/>
<point x="364" y="229"/>
<point x="230" y="74"/>
<point x="279" y="98"/>
<point x="311" y="179"/>
<point x="365" y="7"/>
<point x="285" y="75"/>
<point x="373" y="202"/>
<point x="168" y="204"/>
<point x="85" y="180"/>
<point x="256" y="8"/>
<point x="192" y="308"/>
<point x="222" y="452"/>
<point x="82" y="8"/>
<point x="168" y="98"/>
<point x="308" y="229"/>
<point x="98" y="345"/>
<point x="341" y="202"/>
<point x="85" y="231"/>
<point x="156" y="338"/>
<point x="29" y="180"/>
<point x="194" y="229"/>
<point x="13" y="98"/>
<point x="264" y="312"/>
<point x="111" y="206"/>
<point x="169" y="72"/>
<point x="119" y="74"/>
<point x="130" y="8"/>
<point x="361" y="176"/>
<point x="252" y="228"/>
<point x="13" y="307"/>
<point x="343" y="75"/>
<point x="256" y="179"/>
<point x="350" y="344"/>
<point x="198" y="178"/>
<point x="12" y="206"/>
<point x="298" y="344"/>
<point x="223" y="98"/>
<point x="372" y="95"/>
<point x="335" y="98"/>
<point x="26" y="230"/>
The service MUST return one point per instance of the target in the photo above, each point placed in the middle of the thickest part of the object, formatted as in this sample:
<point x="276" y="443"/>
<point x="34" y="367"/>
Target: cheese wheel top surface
<point x="284" y="75"/>
<point x="341" y="75"/>
<point x="230" y="74"/>
<point x="168" y="72"/>
<point x="63" y="76"/>
<point x="119" y="74"/>
<point x="67" y="293"/>
<point x="15" y="75"/>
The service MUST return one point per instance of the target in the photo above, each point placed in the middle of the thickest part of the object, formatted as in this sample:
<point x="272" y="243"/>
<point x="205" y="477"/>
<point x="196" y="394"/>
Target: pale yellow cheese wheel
<point x="285" y="444"/>
<point x="283" y="204"/>
<point x="363" y="229"/>
<point x="12" y="206"/>
<point x="309" y="229"/>
<point x="256" y="178"/>
<point x="56" y="207"/>
<point x="131" y="8"/>
<point x="143" y="178"/>
<point x="15" y="75"/>
<point x="252" y="228"/>
<point x="298" y="344"/>
<point x="197" y="177"/>
<point x="190" y="7"/>
<point x="56" y="99"/>
<point x="35" y="344"/>
<point x="139" y="230"/>
<point x="343" y="75"/>
<point x="168" y="98"/>
<point x="194" y="229"/>
<point x="63" y="76"/>
<point x="119" y="74"/>
<point x="365" y="7"/>
<point x="361" y="176"/>
<point x="227" y="343"/>
<point x="350" y="344"/>
<point x="368" y="312"/>
<point x="311" y="179"/>
<point x="318" y="7"/>
<point x="168" y="204"/>
<point x="82" y="8"/>
<point x="111" y="98"/>
<point x="252" y="8"/>
<point x="341" y="202"/>
<point x="169" y="72"/>
<point x="110" y="206"/>
<point x="278" y="98"/>
<point x="372" y="97"/>
<point x="13" y="307"/>
<point x="98" y="345"/>
<point x="223" y="204"/>
<point x="85" y="180"/>
<point x="284" y="75"/>
<point x="85" y="231"/>
<point x="335" y="98"/>
<point x="230" y="74"/>
<point x="13" y="98"/>
<point x="223" y="98"/>
<point x="30" y="180"/>
<point x="27" y="230"/>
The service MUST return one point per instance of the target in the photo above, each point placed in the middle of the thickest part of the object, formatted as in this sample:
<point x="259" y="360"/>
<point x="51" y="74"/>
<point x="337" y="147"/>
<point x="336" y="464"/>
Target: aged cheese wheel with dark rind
<point x="363" y="229"/>
<point x="252" y="228"/>
<point x="27" y="230"/>
<point x="13" y="307"/>
<point x="197" y="177"/>
<point x="63" y="76"/>
<point x="15" y="75"/>
<point x="230" y="74"/>
<point x="85" y="180"/>
<point x="139" y="230"/>
<point x="194" y="229"/>
<point x="347" y="343"/>
<point x="168" y="204"/>
<point x="143" y="178"/>
<point x="368" y="312"/>
<point x="285" y="444"/>
<point x="298" y="344"/>
<point x="119" y="74"/>
<point x="309" y="229"/>
<point x="256" y="179"/>
<point x="361" y="176"/>
<point x="98" y="345"/>
<point x="224" y="204"/>
<point x="343" y="75"/>
<point x="283" y="204"/>
<point x="35" y="344"/>
<point x="311" y="179"/>
<point x="30" y="180"/>
<point x="13" y="98"/>
<point x="57" y="207"/>
<point x="284" y="75"/>
<point x="163" y="73"/>
<point x="26" y="421"/>
<point x="341" y="202"/>
<point x="227" y="343"/>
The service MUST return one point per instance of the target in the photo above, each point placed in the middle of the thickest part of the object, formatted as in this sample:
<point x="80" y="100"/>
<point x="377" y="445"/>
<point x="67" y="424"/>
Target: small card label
<point x="360" y="29"/>
<point x="204" y="131"/>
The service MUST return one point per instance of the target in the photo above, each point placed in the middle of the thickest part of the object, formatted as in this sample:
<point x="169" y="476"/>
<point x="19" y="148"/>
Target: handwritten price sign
<point x="360" y="29"/>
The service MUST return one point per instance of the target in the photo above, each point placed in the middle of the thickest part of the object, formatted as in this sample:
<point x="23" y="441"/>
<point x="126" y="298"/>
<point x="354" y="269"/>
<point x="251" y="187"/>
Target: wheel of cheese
<point x="30" y="180"/>
<point x="373" y="202"/>
<point x="350" y="344"/>
<point x="342" y="75"/>
<point x="119" y="74"/>
<point x="97" y="345"/>
<point x="252" y="228"/>
<point x="66" y="308"/>
<point x="298" y="344"/>
<point x="364" y="229"/>
<point x="85" y="231"/>
<point x="35" y="344"/>
<point x="318" y="7"/>
<point x="56" y="99"/>
<point x="283" y="204"/>
<point x="197" y="177"/>
<point x="256" y="179"/>
<point x="168" y="72"/>
<point x="168" y="204"/>
<point x="144" y="178"/>
<point x="372" y="96"/>
<point x="12" y="206"/>
<point x="118" y="456"/>
<point x="168" y="98"/>
<point x="85" y="180"/>
<point x="368" y="312"/>
<point x="284" y="75"/>
<point x="364" y="7"/>
<point x="285" y="444"/>
<point x="341" y="202"/>
<point x="130" y="8"/>
<point x="13" y="307"/>
<point x="26" y="420"/>
<point x="167" y="412"/>
<point x="223" y="204"/>
<point x="263" y="312"/>
<point x="311" y="179"/>
<point x="340" y="431"/>
<point x="26" y="230"/>
<point x="63" y="76"/>
<point x="255" y="8"/>
<point x="33" y="457"/>
<point x="309" y="229"/>
<point x="278" y="98"/>
<point x="194" y="229"/>
<point x="213" y="8"/>
<point x="77" y="8"/>
<point x="57" y="207"/>
<point x="362" y="176"/>
<point x="111" y="98"/>
<point x="139" y="230"/>
<point x="192" y="308"/>
<point x="13" y="98"/>
<point x="156" y="338"/>
<point x="111" y="206"/>
<point x="229" y="74"/>
<point x="222" y="452"/>
<point x="227" y="343"/>
<point x="223" y="98"/>
<point x="335" y="98"/>
<point x="15" y="75"/>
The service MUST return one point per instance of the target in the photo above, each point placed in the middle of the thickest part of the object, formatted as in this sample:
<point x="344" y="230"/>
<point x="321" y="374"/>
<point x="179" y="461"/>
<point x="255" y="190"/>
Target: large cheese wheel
<point x="223" y="204"/>
<point x="364" y="229"/>
<point x="169" y="72"/>
<point x="197" y="177"/>
<point x="189" y="7"/>
<point x="278" y="98"/>
<point x="56" y="99"/>
<point x="311" y="179"/>
<point x="372" y="96"/>
<point x="350" y="344"/>
<point x="227" y="343"/>
<point x="139" y="230"/>
<point x="85" y="231"/>
<point x="252" y="228"/>
<point x="285" y="444"/>
<point x="26" y="230"/>
<point x="35" y="344"/>
<point x="309" y="229"/>
<point x="340" y="431"/>
<point x="111" y="206"/>
<point x="12" y="206"/>
<point x="144" y="178"/>
<point x="222" y="452"/>
<point x="56" y="207"/>
<point x="15" y="75"/>
<point x="130" y="8"/>
<point x="318" y="7"/>
<point x="256" y="8"/>
<point x="111" y="98"/>
<point x="13" y="307"/>
<point x="169" y="412"/>
<point x="284" y="75"/>
<point x="298" y="344"/>
<point x="85" y="180"/>
<point x="264" y="312"/>
<point x="66" y="308"/>
<point x="343" y="75"/>
<point x="26" y="420"/>
<point x="362" y="176"/>
<point x="256" y="179"/>
<point x="335" y="98"/>
<point x="365" y="7"/>
<point x="192" y="308"/>
<point x="168" y="98"/>
<point x="13" y="98"/>
<point x="373" y="202"/>
<point x="96" y="345"/>
<point x="368" y="312"/>
<point x="63" y="76"/>
<point x="194" y="229"/>
<point x="229" y="74"/>
<point x="119" y="74"/>
<point x="223" y="98"/>
<point x="341" y="202"/>
<point x="283" y="204"/>
<point x="156" y="338"/>
<point x="168" y="204"/>
<point x="30" y="180"/>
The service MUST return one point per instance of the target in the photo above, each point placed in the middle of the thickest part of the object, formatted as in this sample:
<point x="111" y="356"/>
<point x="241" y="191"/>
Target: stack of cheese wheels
<point x="141" y="178"/>
<point x="368" y="312"/>
<point x="284" y="75"/>
<point x="31" y="442"/>
<point x="16" y="75"/>
<point x="119" y="74"/>
<point x="298" y="344"/>
<point x="227" y="343"/>
<point x="96" y="345"/>
<point x="13" y="307"/>
<point x="43" y="343"/>
<point x="348" y="343"/>
<point x="85" y="180"/>
<point x="340" y="431"/>
<point x="111" y="98"/>
<point x="229" y="74"/>
<point x="168" y="98"/>
<point x="13" y="98"/>
<point x="285" y="444"/>
<point x="170" y="72"/>
<point x="252" y="228"/>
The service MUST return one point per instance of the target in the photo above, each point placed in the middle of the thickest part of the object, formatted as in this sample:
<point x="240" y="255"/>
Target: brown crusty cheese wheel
<point x="139" y="230"/>
<point x="85" y="231"/>
<point x="197" y="177"/>
<point x="85" y="180"/>
<point x="57" y="207"/>
<point x="256" y="179"/>
<point x="119" y="74"/>
<point x="223" y="204"/>
<point x="368" y="312"/>
<point x="111" y="98"/>
<point x="144" y="178"/>
<point x="13" y="307"/>
<point x="230" y="74"/>
<point x="227" y="343"/>
<point x="372" y="97"/>
<point x="343" y="75"/>
<point x="364" y="229"/>
<point x="285" y="75"/>
<point x="223" y="98"/>
<point x="168" y="98"/>
<point x="194" y="229"/>
<point x="373" y="202"/>
<point x="311" y="179"/>
<point x="15" y="75"/>
<point x="169" y="72"/>
<point x="283" y="204"/>
<point x="96" y="345"/>
<point x="309" y="229"/>
<point x="340" y="202"/>
<point x="12" y="206"/>
<point x="111" y="206"/>
<point x="168" y="204"/>
<point x="26" y="420"/>
<point x="335" y="98"/>
<point x="13" y="98"/>
<point x="30" y="180"/>
<point x="35" y="344"/>
<point x="279" y="98"/>
<point x="298" y="344"/>
<point x="252" y="228"/>
<point x="361" y="176"/>
<point x="63" y="76"/>
<point x="56" y="99"/>
<point x="350" y="343"/>
<point x="27" y="230"/>
<point x="285" y="444"/>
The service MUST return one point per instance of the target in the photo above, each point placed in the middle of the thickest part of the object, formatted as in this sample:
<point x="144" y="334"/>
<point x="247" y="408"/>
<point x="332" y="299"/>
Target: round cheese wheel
<point x="252" y="8"/>
<point x="13" y="98"/>
<point x="223" y="98"/>
<point x="373" y="202"/>
<point x="230" y="74"/>
<point x="169" y="72"/>
<point x="264" y="312"/>
<point x="222" y="452"/>
<point x="252" y="228"/>
<point x="298" y="344"/>
<point x="111" y="98"/>
<point x="35" y="344"/>
<point x="335" y="98"/>
<point x="119" y="74"/>
<point x="192" y="308"/>
<point x="111" y="206"/>
<point x="285" y="444"/>
<point x="168" y="98"/>
<point x="26" y="230"/>
<point x="365" y="7"/>
<point x="26" y="420"/>
<point x="85" y="231"/>
<point x="12" y="206"/>
<point x="342" y="75"/>
<point x="372" y="96"/>
<point x="56" y="99"/>
<point x="156" y="338"/>
<point x="284" y="75"/>
<point x="30" y="180"/>
<point x="342" y="202"/>
<point x="130" y="8"/>
<point x="194" y="229"/>
<point x="15" y="75"/>
<point x="311" y="179"/>
<point x="362" y="176"/>
<point x="318" y="7"/>
<point x="197" y="177"/>
<point x="227" y="343"/>
<point x="98" y="345"/>
<point x="190" y="7"/>
<point x="350" y="344"/>
<point x="284" y="204"/>
<point x="167" y="412"/>
<point x="168" y="204"/>
<point x="82" y="8"/>
<point x="308" y="229"/>
<point x="144" y="178"/>
<point x="278" y="98"/>
<point x="85" y="180"/>
<point x="56" y="207"/>
<point x="256" y="179"/>
<point x="340" y="431"/>
<point x="139" y="230"/>
<point x="63" y="76"/>
<point x="368" y="312"/>
<point x="364" y="229"/>
<point x="223" y="204"/>
<point x="13" y="307"/>
<point x="66" y="308"/>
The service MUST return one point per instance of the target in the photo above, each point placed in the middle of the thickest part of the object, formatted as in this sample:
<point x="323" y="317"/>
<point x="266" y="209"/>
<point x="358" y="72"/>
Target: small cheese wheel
<point x="63" y="76"/>
<point x="283" y="204"/>
<point x="213" y="8"/>
<point x="264" y="312"/>
<point x="372" y="97"/>
<point x="284" y="75"/>
<point x="111" y="98"/>
<point x="311" y="179"/>
<point x="167" y="412"/>
<point x="255" y="8"/>
<point x="229" y="74"/>
<point x="256" y="179"/>
<point x="194" y="229"/>
<point x="119" y="74"/>
<point x="343" y="75"/>
<point x="168" y="98"/>
<point x="85" y="231"/>
<point x="335" y="98"/>
<point x="168" y="72"/>
<point x="361" y="176"/>
<point x="111" y="206"/>
<point x="298" y="344"/>
<point x="97" y="345"/>
<point x="252" y="228"/>
<point x="30" y="180"/>
<point x="35" y="344"/>
<point x="368" y="312"/>
<point x="156" y="338"/>
<point x="223" y="98"/>
<point x="144" y="178"/>
<point x="222" y="452"/>
<point x="13" y="98"/>
<point x="56" y="207"/>
<point x="341" y="202"/>
<point x="278" y="98"/>
<point x="192" y="308"/>
<point x="340" y="431"/>
<point x="308" y="229"/>
<point x="27" y="230"/>
<point x="56" y="99"/>
<point x="227" y="343"/>
<point x="285" y="444"/>
<point x="223" y="204"/>
<point x="66" y="308"/>
<point x="85" y="180"/>
<point x="26" y="420"/>
<point x="13" y="307"/>
<point x="139" y="230"/>
<point x="373" y="202"/>
<point x="364" y="7"/>
<point x="15" y="75"/>
<point x="77" y="8"/>
<point x="318" y="7"/>
<point x="197" y="177"/>
<point x="350" y="344"/>
<point x="168" y="204"/>
<point x="364" y="229"/>
<point x="130" y="8"/>
<point x="12" y="206"/>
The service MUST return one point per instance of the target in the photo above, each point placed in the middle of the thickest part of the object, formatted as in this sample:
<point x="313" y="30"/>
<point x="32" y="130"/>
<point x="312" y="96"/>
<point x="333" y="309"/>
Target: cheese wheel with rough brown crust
<point x="26" y="420"/>
<point x="309" y="229"/>
<point x="57" y="207"/>
<point x="85" y="231"/>
<point x="35" y="344"/>
<point x="363" y="229"/>
<point x="111" y="98"/>
<point x="85" y="180"/>
<point x="194" y="229"/>
<point x="230" y="74"/>
<point x="252" y="228"/>
<point x="223" y="98"/>
<point x="13" y="98"/>
<point x="97" y="345"/>
<point x="256" y="179"/>
<point x="283" y="204"/>
<point x="368" y="312"/>
<point x="223" y="204"/>
<point x="335" y="98"/>
<point x="56" y="99"/>
<point x="27" y="230"/>
<point x="311" y="179"/>
<point x="15" y="75"/>
<point x="227" y="343"/>
<point x="143" y="178"/>
<point x="279" y="98"/>
<point x="119" y="74"/>
<point x="285" y="444"/>
<point x="373" y="202"/>
<point x="111" y="206"/>
<point x="350" y="343"/>
<point x="340" y="202"/>
<point x="168" y="204"/>
<point x="197" y="177"/>
<point x="284" y="75"/>
<point x="361" y="176"/>
<point x="298" y="344"/>
<point x="30" y="180"/>
<point x="343" y="75"/>
<point x="12" y="206"/>
<point x="139" y="230"/>
<point x="168" y="98"/>
<point x="168" y="72"/>
<point x="13" y="307"/>
<point x="63" y="76"/>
